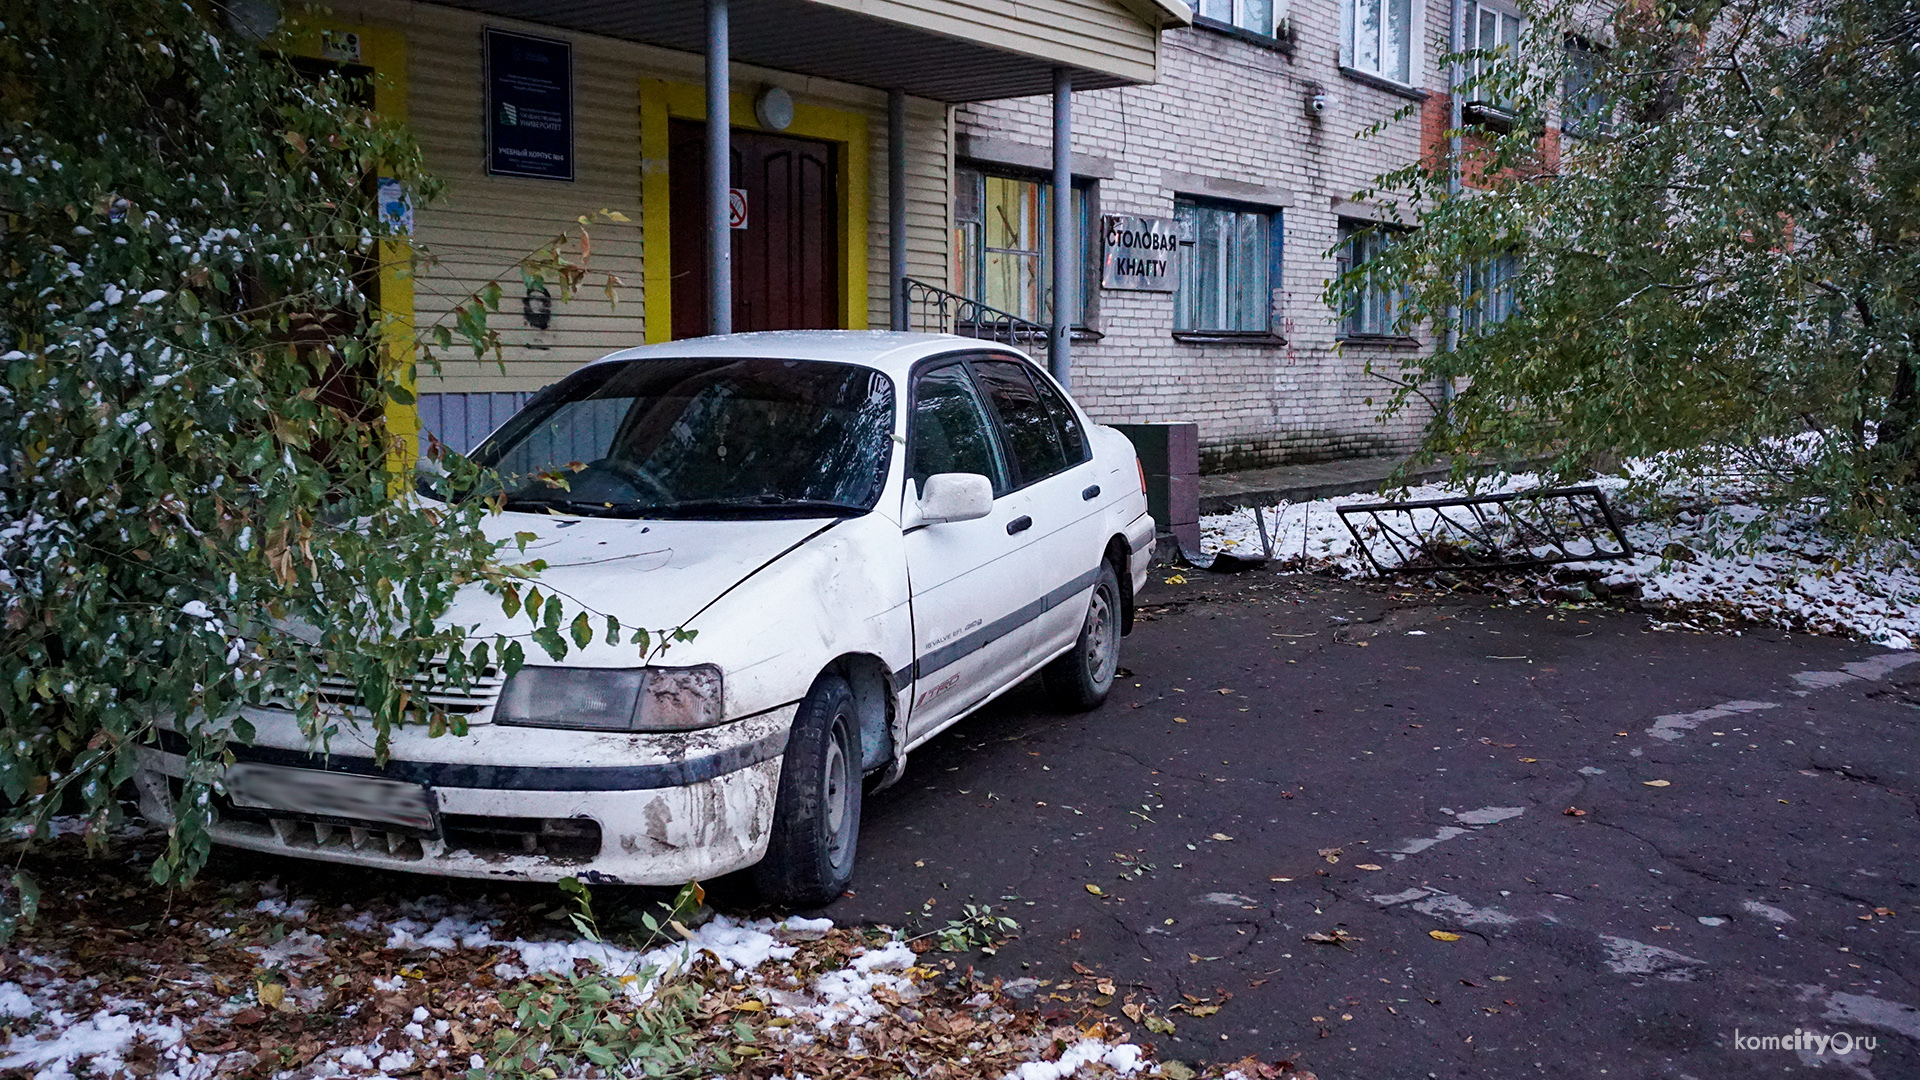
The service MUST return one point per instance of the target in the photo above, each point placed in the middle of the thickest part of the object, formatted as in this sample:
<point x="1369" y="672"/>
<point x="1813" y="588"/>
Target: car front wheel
<point x="816" y="817"/>
<point x="1080" y="679"/>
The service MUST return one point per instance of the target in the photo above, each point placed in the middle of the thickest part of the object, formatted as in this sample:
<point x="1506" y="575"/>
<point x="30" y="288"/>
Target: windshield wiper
<point x="764" y="501"/>
<point x="580" y="507"/>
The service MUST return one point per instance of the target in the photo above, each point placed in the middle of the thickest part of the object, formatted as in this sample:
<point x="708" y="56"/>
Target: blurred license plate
<point x="313" y="793"/>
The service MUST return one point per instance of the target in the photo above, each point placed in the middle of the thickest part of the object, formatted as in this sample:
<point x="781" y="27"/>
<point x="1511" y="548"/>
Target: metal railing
<point x="934" y="310"/>
<point x="1510" y="531"/>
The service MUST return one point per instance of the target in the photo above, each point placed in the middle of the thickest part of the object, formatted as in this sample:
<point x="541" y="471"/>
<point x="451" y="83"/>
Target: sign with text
<point x="529" y="106"/>
<point x="1139" y="253"/>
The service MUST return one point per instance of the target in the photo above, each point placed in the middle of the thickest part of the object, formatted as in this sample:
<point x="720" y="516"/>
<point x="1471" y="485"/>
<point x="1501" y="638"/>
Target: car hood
<point x="648" y="574"/>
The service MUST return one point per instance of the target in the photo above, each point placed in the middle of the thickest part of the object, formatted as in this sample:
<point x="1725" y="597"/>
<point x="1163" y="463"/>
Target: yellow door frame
<point x="385" y="51"/>
<point x="661" y="101"/>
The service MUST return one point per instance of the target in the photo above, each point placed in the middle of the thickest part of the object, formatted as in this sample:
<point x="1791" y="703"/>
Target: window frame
<point x="1586" y="121"/>
<point x="1493" y="279"/>
<point x="1374" y="232"/>
<point x="1415" y="44"/>
<point x="1273" y="260"/>
<point x="1486" y="108"/>
<point x="1237" y="24"/>
<point x="1086" y="191"/>
<point x="1004" y="484"/>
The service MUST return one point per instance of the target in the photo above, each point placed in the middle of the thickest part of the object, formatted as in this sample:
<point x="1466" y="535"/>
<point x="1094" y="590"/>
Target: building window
<point x="1583" y="109"/>
<point x="1487" y="293"/>
<point x="1380" y="37"/>
<point x="1376" y="306"/>
<point x="1494" y="32"/>
<point x="1253" y="16"/>
<point x="1226" y="259"/>
<point x="1003" y="243"/>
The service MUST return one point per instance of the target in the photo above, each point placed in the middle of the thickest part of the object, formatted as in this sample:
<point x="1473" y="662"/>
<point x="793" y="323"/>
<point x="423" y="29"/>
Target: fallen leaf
<point x="1221" y="836"/>
<point x="750" y="1006"/>
<point x="1331" y="854"/>
<point x="1133" y="1011"/>
<point x="1336" y="936"/>
<point x="1160" y="1025"/>
<point x="1177" y="579"/>
<point x="1574" y="811"/>
<point x="1443" y="935"/>
<point x="1368" y="866"/>
<point x="1104" y="986"/>
<point x="270" y="994"/>
<point x="1658" y="783"/>
<point x="1223" y="690"/>
<point x="1202" y="1010"/>
<point x="1279" y="879"/>
<point x="1529" y="760"/>
<point x="1179" y="719"/>
<point x="1096" y="890"/>
<point x="1883" y="911"/>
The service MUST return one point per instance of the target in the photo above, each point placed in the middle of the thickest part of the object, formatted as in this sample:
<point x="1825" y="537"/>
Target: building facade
<point x="840" y="142"/>
<point x="1248" y="147"/>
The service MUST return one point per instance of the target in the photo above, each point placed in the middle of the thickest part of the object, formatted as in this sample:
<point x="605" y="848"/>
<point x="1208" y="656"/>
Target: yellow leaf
<point x="1443" y="935"/>
<point x="270" y="994"/>
<point x="1177" y="579"/>
<point x="1095" y="890"/>
<point x="1367" y="866"/>
<point x="1658" y="783"/>
<point x="1221" y="836"/>
<point x="1179" y="719"/>
<point x="1529" y="760"/>
<point x="749" y="1006"/>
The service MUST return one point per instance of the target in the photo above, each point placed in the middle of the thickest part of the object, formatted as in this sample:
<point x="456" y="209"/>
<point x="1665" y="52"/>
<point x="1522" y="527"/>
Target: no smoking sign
<point x="736" y="208"/>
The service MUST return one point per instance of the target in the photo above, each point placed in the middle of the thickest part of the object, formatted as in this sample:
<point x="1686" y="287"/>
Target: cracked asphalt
<point x="1292" y="756"/>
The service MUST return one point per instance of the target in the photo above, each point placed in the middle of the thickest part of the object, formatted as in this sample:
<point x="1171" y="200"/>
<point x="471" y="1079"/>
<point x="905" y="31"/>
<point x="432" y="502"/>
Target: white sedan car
<point x="872" y="536"/>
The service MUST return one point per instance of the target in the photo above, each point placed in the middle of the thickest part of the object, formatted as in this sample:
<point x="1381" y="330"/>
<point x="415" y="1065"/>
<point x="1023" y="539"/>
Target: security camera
<point x="1317" y="104"/>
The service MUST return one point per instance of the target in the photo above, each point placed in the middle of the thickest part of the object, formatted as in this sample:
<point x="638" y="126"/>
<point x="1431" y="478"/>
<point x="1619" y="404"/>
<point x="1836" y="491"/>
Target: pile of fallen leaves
<point x="272" y="968"/>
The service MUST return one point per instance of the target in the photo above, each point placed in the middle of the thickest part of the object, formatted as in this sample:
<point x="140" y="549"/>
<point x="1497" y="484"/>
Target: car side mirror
<point x="955" y="497"/>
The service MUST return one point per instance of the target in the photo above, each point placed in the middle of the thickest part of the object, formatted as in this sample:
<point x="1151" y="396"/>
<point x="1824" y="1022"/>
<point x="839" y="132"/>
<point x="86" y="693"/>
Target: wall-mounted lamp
<point x="774" y="109"/>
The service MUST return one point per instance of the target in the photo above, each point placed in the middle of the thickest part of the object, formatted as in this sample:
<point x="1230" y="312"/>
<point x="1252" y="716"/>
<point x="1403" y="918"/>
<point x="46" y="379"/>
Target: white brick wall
<point x="1233" y="110"/>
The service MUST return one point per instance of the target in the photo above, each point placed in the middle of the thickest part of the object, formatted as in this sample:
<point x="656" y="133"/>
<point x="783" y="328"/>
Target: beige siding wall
<point x="482" y="225"/>
<point x="1100" y="35"/>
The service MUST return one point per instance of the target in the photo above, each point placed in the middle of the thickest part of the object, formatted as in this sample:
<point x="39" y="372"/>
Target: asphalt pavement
<point x="1529" y="841"/>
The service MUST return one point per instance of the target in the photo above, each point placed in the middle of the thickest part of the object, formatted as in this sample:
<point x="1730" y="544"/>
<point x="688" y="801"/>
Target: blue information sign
<point x="529" y="106"/>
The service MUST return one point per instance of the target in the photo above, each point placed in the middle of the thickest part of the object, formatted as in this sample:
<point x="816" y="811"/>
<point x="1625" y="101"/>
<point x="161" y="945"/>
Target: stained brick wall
<point x="1234" y="110"/>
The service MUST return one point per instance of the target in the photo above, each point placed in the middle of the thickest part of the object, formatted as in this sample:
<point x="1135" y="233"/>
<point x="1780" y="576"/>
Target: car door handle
<point x="1019" y="525"/>
<point x="1091" y="493"/>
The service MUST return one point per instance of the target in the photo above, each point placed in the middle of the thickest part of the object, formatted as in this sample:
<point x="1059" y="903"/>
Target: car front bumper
<point x="520" y="803"/>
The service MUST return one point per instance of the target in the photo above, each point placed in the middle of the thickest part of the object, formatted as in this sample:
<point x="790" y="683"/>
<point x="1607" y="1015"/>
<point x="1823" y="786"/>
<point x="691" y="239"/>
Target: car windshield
<point x="700" y="438"/>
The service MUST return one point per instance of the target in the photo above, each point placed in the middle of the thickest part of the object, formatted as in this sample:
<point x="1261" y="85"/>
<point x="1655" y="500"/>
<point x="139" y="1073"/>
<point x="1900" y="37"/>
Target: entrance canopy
<point x="945" y="51"/>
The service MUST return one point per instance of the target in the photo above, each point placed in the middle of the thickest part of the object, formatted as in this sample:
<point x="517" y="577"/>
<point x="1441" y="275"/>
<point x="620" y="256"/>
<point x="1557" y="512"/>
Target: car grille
<point x="341" y="691"/>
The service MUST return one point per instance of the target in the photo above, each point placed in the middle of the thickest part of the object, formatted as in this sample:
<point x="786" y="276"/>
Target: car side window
<point x="1073" y="438"/>
<point x="1032" y="436"/>
<point x="948" y="431"/>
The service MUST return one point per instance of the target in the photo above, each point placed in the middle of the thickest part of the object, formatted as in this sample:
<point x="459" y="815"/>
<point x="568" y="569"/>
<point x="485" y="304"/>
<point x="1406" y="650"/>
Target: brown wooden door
<point x="786" y="261"/>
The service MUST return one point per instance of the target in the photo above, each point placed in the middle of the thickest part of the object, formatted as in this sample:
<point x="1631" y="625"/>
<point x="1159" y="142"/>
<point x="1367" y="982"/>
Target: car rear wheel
<point x="1080" y="679"/>
<point x="816" y="817"/>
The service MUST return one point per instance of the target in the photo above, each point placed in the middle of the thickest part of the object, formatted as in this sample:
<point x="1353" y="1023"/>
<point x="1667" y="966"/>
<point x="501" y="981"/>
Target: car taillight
<point x="1142" y="469"/>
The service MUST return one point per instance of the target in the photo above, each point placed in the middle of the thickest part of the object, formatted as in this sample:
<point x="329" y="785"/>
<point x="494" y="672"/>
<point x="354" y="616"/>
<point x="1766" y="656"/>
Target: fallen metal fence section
<point x="1511" y="531"/>
<point x="934" y="310"/>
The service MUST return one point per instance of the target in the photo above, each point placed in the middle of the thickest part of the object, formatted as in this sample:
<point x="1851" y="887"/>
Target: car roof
<point x="886" y="350"/>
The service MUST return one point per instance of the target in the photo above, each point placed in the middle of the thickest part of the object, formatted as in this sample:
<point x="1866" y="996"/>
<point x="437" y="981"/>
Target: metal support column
<point x="1456" y="76"/>
<point x="719" y="171"/>
<point x="1066" y="266"/>
<point x="897" y="208"/>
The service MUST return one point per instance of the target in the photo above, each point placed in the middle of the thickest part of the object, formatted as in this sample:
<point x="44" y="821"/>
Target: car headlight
<point x="613" y="699"/>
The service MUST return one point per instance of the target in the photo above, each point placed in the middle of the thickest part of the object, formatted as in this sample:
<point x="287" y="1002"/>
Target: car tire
<point x="816" y="816"/>
<point x="1080" y="678"/>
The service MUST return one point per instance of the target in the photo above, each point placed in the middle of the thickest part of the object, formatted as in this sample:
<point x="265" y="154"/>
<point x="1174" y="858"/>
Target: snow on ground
<point x="228" y="980"/>
<point x="1692" y="560"/>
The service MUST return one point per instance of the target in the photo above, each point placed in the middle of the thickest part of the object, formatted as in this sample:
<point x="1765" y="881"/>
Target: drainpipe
<point x="1455" y="77"/>
<point x="897" y="206"/>
<point x="1065" y="266"/>
<point x="719" y="171"/>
